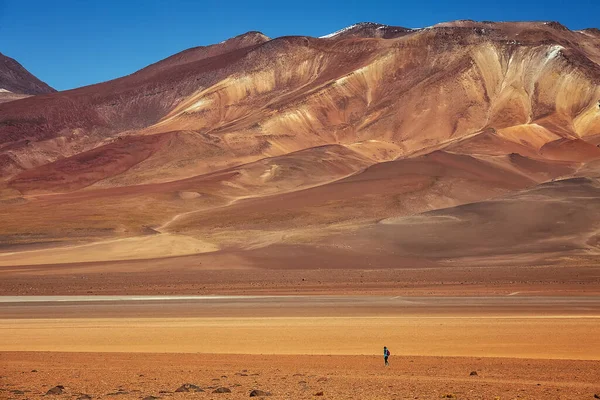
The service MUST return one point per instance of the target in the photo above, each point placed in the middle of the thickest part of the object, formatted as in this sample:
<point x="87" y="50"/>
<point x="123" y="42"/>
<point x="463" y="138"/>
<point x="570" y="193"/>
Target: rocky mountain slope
<point x="370" y="140"/>
<point x="16" y="82"/>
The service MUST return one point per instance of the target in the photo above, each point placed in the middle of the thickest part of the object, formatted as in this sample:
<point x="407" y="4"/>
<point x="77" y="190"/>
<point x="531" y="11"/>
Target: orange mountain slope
<point x="466" y="141"/>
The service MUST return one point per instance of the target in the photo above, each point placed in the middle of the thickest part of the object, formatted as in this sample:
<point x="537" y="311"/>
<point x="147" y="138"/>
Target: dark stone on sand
<point x="34" y="370"/>
<point x="259" y="393"/>
<point x="240" y="374"/>
<point x="84" y="396"/>
<point x="222" y="390"/>
<point x="597" y="396"/>
<point x="473" y="373"/>
<point x="188" y="387"/>
<point x="58" y="389"/>
<point x="151" y="398"/>
<point x="319" y="394"/>
<point x="302" y="382"/>
<point x="119" y="393"/>
<point x="16" y="391"/>
<point x="298" y="375"/>
<point x="323" y="379"/>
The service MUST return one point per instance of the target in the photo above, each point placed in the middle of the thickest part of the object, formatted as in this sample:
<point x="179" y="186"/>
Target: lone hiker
<point x="386" y="354"/>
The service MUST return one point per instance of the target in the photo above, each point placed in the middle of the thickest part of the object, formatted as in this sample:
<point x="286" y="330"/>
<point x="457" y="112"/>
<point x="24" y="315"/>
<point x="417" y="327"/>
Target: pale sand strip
<point x="133" y="248"/>
<point x="522" y="337"/>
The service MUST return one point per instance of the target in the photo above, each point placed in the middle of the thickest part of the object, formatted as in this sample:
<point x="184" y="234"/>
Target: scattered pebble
<point x="222" y="390"/>
<point x="259" y="393"/>
<point x="59" y="389"/>
<point x="188" y="387"/>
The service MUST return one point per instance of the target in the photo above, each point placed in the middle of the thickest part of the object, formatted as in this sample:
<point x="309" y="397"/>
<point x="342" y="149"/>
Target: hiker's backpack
<point x="387" y="353"/>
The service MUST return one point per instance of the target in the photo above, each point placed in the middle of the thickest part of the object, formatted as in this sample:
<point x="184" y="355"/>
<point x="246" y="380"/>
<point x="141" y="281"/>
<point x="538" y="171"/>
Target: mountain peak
<point x="16" y="79"/>
<point x="368" y="30"/>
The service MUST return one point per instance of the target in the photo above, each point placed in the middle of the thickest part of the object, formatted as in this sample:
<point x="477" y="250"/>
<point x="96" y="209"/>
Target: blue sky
<point x="72" y="43"/>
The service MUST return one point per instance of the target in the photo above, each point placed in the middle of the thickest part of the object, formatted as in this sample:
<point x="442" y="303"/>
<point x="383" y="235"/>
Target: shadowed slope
<point x="44" y="128"/>
<point x="401" y="187"/>
<point x="554" y="220"/>
<point x="132" y="210"/>
<point x="16" y="79"/>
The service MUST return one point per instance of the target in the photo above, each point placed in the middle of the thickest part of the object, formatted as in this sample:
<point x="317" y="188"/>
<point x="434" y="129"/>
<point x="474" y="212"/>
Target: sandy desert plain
<point x="267" y="214"/>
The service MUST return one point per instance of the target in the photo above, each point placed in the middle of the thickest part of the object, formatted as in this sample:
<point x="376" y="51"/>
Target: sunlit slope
<point x="333" y="142"/>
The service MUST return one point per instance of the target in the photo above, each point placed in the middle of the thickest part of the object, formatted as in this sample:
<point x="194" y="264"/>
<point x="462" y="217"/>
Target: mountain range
<point x="465" y="142"/>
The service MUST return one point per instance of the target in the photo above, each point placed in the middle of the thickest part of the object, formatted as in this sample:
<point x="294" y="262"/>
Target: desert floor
<point x="290" y="270"/>
<point x="137" y="375"/>
<point x="297" y="346"/>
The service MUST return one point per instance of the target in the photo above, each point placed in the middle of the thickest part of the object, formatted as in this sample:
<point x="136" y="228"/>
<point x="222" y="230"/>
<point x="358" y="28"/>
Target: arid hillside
<point x="17" y="83"/>
<point x="462" y="143"/>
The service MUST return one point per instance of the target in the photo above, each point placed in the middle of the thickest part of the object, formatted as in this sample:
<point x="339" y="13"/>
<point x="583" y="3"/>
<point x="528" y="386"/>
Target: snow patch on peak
<point x="554" y="51"/>
<point x="338" y="32"/>
<point x="4" y="91"/>
<point x="352" y="27"/>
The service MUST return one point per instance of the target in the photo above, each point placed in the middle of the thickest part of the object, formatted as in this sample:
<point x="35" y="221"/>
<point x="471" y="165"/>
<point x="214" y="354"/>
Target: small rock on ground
<point x="84" y="396"/>
<point x="473" y="373"/>
<point x="222" y="390"/>
<point x="259" y="393"/>
<point x="58" y="389"/>
<point x="188" y="387"/>
<point x="319" y="394"/>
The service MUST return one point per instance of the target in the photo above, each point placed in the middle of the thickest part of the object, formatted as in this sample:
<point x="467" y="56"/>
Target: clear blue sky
<point x="72" y="43"/>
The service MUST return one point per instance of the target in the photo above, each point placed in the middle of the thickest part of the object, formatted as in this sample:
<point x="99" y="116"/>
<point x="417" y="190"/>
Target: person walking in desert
<point x="386" y="354"/>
